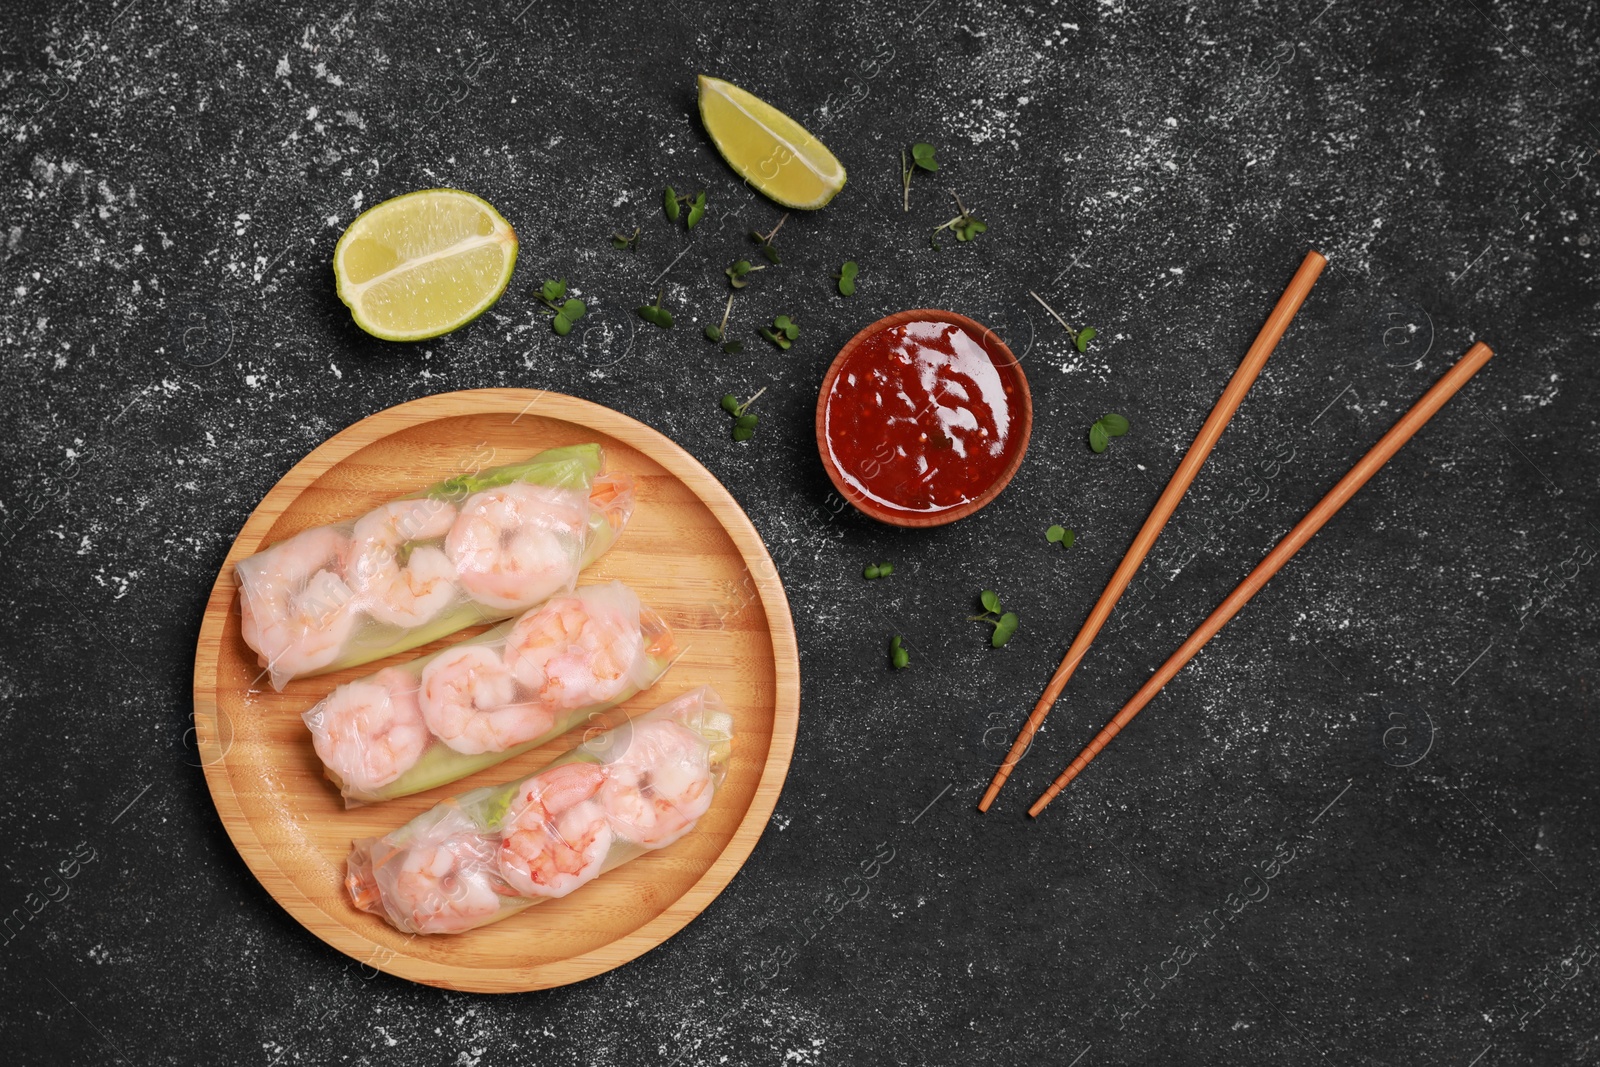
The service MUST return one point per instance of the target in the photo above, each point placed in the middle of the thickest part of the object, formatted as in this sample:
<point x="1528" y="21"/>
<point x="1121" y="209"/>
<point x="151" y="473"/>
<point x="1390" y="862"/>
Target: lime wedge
<point x="422" y="264"/>
<point x="770" y="150"/>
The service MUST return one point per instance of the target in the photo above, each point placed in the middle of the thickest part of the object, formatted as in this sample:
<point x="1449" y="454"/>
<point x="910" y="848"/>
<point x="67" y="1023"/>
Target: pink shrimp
<point x="295" y="609"/>
<point x="517" y="544"/>
<point x="467" y="701"/>
<point x="448" y="886"/>
<point x="660" y="785"/>
<point x="574" y="651"/>
<point x="411" y="593"/>
<point x="555" y="837"/>
<point x="368" y="733"/>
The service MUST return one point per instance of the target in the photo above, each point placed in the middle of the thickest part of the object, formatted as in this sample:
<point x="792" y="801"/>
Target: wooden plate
<point x="692" y="555"/>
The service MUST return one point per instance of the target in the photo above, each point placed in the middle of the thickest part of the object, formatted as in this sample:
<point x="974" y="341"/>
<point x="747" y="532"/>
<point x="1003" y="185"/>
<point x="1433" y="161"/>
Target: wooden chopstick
<point x="1368" y="465"/>
<point x="1271" y="332"/>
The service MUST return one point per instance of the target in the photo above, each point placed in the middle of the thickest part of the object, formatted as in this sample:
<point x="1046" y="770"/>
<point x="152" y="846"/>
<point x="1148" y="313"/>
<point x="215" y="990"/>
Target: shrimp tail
<point x="611" y="496"/>
<point x="659" y="644"/>
<point x="360" y="880"/>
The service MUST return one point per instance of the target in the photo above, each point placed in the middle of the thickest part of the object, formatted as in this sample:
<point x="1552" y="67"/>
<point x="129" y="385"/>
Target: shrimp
<point x="656" y="789"/>
<point x="575" y="651"/>
<point x="295" y="609"/>
<point x="411" y="593"/>
<point x="369" y="733"/>
<point x="446" y="887"/>
<point x="517" y="544"/>
<point x="466" y="700"/>
<point x="555" y="837"/>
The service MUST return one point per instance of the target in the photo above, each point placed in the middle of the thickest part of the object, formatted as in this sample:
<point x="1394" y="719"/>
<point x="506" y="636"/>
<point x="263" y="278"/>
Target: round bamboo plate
<point x="691" y="553"/>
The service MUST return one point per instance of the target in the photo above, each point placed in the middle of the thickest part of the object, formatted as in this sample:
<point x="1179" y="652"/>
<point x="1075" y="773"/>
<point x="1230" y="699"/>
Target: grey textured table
<point x="1360" y="828"/>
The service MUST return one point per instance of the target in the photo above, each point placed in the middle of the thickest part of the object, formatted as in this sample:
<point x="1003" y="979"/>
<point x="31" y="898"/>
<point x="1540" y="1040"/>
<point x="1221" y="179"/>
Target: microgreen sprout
<point x="1060" y="535"/>
<point x="715" y="333"/>
<point x="878" y="570"/>
<point x="1104" y="429"/>
<point x="847" y="278"/>
<point x="1004" y="622"/>
<point x="627" y="242"/>
<point x="921" y="156"/>
<point x="782" y="332"/>
<point x="739" y="273"/>
<point x="673" y="204"/>
<point x="898" y="657"/>
<point x="744" y="424"/>
<point x="566" y="312"/>
<point x="655" y="314"/>
<point x="769" y="249"/>
<point x="966" y="226"/>
<point x="1080" y="338"/>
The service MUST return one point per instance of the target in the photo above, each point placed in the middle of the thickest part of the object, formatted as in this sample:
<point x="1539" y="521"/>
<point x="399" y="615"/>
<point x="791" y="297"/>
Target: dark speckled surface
<point x="1359" y="829"/>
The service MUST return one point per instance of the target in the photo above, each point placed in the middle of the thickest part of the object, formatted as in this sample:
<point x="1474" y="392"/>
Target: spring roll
<point x="489" y="853"/>
<point x="445" y="716"/>
<point x="471" y="549"/>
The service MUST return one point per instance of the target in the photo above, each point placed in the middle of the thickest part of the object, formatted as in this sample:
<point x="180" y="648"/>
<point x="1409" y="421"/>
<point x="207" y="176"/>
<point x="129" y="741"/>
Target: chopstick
<point x="1325" y="509"/>
<point x="1271" y="332"/>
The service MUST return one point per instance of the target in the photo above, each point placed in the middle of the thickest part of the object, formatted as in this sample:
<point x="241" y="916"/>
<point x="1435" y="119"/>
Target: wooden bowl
<point x="1009" y="368"/>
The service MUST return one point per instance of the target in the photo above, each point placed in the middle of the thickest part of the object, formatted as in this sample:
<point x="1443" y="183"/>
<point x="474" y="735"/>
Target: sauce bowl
<point x="912" y="465"/>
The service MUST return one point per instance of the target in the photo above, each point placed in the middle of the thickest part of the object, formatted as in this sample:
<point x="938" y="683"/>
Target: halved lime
<point x="769" y="149"/>
<point x="422" y="264"/>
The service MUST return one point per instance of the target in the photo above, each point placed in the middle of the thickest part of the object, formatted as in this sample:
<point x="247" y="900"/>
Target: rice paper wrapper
<point x="471" y="549"/>
<point x="445" y="716"/>
<point x="489" y="853"/>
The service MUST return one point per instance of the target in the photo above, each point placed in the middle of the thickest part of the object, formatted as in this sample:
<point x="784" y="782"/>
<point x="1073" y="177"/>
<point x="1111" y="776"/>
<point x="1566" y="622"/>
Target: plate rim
<point x="786" y="711"/>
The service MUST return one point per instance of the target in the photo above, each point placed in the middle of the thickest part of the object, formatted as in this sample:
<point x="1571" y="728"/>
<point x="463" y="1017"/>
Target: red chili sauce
<point x="920" y="419"/>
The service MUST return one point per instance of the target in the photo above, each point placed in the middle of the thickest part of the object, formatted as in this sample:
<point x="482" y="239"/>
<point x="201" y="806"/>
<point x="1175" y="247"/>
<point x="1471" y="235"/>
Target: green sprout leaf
<point x="713" y="333"/>
<point x="1098" y="437"/>
<point x="626" y="242"/>
<point x="1083" y="337"/>
<point x="966" y="226"/>
<point x="769" y="249"/>
<point x="1060" y="535"/>
<point x="921" y="158"/>
<point x="744" y="424"/>
<point x="898" y="657"/>
<point x="847" y="278"/>
<point x="878" y="570"/>
<point x="1004" y="622"/>
<point x="782" y="333"/>
<point x="739" y="273"/>
<point x="566" y="312"/>
<point x="656" y="315"/>
<point x="732" y="348"/>
<point x="669" y="203"/>
<point x="697" y="209"/>
<point x="1104" y="429"/>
